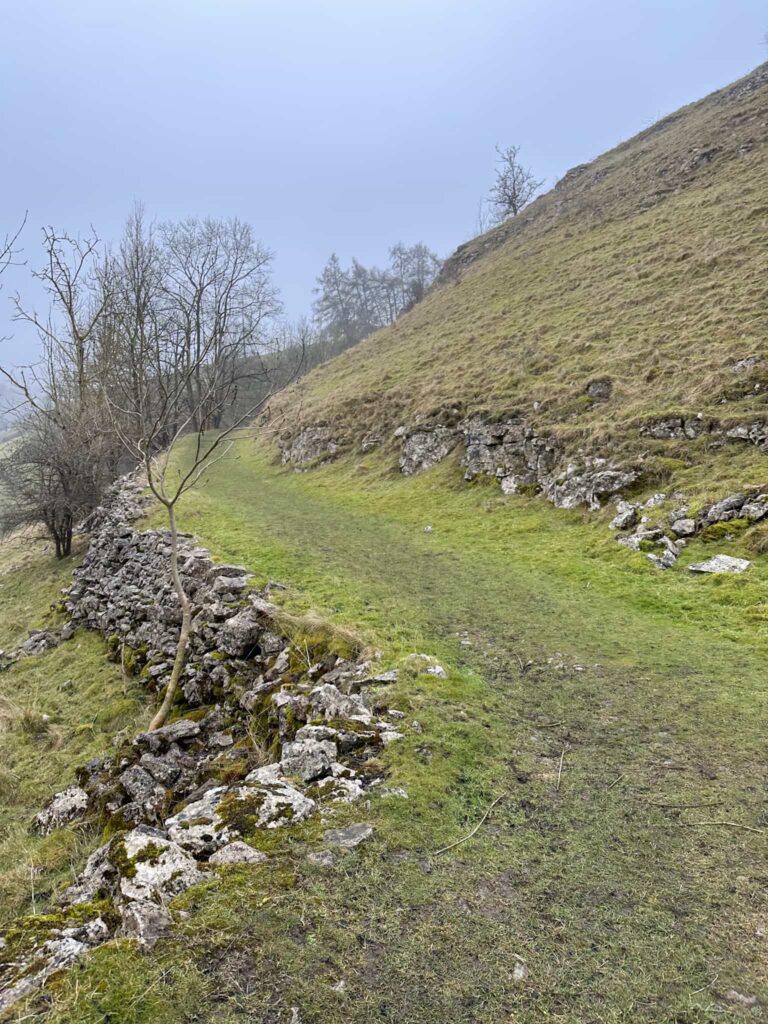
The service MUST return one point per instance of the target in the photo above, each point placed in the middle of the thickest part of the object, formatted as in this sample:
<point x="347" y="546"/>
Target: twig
<point x="726" y="824"/>
<point x="617" y="781"/>
<point x="685" y="807"/>
<point x="474" y="830"/>
<point x="560" y="769"/>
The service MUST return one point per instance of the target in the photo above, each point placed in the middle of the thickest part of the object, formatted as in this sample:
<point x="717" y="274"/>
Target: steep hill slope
<point x="633" y="292"/>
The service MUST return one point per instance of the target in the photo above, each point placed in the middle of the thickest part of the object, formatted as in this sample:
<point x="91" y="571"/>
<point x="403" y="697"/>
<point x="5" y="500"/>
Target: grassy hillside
<point x="57" y="710"/>
<point x="647" y="268"/>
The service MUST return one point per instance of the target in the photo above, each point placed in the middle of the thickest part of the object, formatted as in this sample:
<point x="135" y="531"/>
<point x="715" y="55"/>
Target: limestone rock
<point x="161" y="869"/>
<point x="181" y="731"/>
<point x="599" y="390"/>
<point x="425" y="448"/>
<point x="350" y="837"/>
<point x="66" y="806"/>
<point x="722" y="511"/>
<point x="331" y="703"/>
<point x="198" y="827"/>
<point x="625" y="518"/>
<point x="684" y="527"/>
<point x="312" y="444"/>
<point x="755" y="510"/>
<point x="240" y="634"/>
<point x="721" y="564"/>
<point x="144" y="921"/>
<point x="664" y="561"/>
<point x="308" y="758"/>
<point x="238" y="853"/>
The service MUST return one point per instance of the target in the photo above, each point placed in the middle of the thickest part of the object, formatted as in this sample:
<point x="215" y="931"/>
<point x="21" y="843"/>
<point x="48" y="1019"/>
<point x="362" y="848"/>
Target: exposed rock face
<point x="722" y="511"/>
<point x="425" y="448"/>
<point x="311" y="445"/>
<point x="519" y="458"/>
<point x="509" y="450"/>
<point x="599" y="390"/>
<point x="183" y="797"/>
<point x="682" y="428"/>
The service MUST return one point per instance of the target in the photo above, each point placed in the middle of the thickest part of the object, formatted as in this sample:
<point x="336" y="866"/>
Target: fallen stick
<point x="727" y="824"/>
<point x="560" y="769"/>
<point x="474" y="830"/>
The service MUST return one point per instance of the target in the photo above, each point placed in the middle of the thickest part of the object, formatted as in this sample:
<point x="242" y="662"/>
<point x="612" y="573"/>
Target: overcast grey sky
<point x="339" y="125"/>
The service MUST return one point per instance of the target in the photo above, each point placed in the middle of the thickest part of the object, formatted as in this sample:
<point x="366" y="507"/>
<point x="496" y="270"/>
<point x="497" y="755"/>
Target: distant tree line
<point x="354" y="302"/>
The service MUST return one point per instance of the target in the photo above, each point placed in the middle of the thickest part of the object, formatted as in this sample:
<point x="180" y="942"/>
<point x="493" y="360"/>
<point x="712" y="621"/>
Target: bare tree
<point x="51" y="474"/>
<point x="68" y="334"/>
<point x="62" y="458"/>
<point x="171" y="472"/>
<point x="8" y="250"/>
<point x="196" y="312"/>
<point x="219" y="298"/>
<point x="515" y="185"/>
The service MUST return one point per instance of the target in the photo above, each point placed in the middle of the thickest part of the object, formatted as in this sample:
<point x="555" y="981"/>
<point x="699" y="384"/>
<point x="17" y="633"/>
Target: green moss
<point x="119" y="859"/>
<point x="241" y="813"/>
<point x="718" y="532"/>
<point x="134" y="658"/>
<point x="149" y="854"/>
<point x="30" y="933"/>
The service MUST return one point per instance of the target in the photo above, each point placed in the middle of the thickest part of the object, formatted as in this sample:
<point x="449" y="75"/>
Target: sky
<point x="330" y="125"/>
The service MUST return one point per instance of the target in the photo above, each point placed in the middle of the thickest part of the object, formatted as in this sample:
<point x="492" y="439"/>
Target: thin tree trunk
<point x="182" y="643"/>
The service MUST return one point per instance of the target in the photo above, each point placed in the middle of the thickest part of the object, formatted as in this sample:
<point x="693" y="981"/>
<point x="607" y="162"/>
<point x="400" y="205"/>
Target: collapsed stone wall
<point x="270" y="732"/>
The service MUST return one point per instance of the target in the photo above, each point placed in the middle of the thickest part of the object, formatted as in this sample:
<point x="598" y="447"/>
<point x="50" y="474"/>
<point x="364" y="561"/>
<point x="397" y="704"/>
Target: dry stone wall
<point x="267" y="735"/>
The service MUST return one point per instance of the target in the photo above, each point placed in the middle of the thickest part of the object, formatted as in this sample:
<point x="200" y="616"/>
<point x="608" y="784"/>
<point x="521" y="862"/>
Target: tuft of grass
<point x="57" y="710"/>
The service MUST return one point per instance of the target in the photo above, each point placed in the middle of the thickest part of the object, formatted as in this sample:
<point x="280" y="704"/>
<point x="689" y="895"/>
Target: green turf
<point x="57" y="710"/>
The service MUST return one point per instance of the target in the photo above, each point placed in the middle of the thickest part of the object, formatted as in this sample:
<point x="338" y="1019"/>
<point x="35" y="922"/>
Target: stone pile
<point x="266" y="738"/>
<point x="671" y="536"/>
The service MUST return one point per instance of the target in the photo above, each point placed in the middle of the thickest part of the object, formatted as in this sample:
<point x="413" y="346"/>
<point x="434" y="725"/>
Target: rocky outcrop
<point x="423" y="449"/>
<point x="682" y="428"/>
<point x="519" y="458"/>
<point x="510" y="450"/>
<point x="265" y="738"/>
<point x="313" y="444"/>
